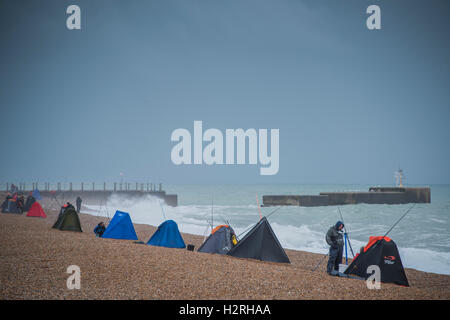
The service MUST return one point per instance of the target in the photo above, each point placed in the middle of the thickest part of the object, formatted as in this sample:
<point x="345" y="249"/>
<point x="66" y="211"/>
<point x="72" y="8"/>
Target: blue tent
<point x="36" y="194"/>
<point x="167" y="235"/>
<point x="120" y="227"/>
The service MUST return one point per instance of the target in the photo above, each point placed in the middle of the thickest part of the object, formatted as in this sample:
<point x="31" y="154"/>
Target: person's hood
<point x="338" y="224"/>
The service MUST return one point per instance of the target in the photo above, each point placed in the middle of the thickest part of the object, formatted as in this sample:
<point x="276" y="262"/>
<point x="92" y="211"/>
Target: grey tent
<point x="260" y="243"/>
<point x="221" y="240"/>
<point x="68" y="220"/>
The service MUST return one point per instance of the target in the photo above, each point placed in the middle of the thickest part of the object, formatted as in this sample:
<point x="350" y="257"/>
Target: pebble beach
<point x="35" y="257"/>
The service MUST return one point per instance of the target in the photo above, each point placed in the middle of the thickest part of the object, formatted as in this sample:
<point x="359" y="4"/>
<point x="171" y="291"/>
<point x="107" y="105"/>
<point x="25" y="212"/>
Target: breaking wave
<point x="295" y="230"/>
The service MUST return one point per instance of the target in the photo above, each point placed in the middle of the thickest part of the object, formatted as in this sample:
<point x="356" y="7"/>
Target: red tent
<point x="36" y="211"/>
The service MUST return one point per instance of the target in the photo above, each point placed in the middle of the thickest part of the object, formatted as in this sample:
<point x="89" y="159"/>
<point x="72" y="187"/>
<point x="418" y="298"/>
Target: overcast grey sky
<point x="351" y="104"/>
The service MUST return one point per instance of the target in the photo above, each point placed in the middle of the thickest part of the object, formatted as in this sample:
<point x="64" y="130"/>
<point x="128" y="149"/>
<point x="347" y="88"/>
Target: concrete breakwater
<point x="375" y="195"/>
<point x="54" y="199"/>
<point x="91" y="193"/>
<point x="100" y="197"/>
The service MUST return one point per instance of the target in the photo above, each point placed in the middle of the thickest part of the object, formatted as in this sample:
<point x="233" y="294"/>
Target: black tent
<point x="382" y="252"/>
<point x="221" y="240"/>
<point x="260" y="243"/>
<point x="68" y="220"/>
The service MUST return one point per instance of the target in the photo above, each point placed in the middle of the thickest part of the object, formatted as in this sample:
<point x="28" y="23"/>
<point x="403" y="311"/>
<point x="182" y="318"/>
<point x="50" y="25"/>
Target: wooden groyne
<point x="375" y="195"/>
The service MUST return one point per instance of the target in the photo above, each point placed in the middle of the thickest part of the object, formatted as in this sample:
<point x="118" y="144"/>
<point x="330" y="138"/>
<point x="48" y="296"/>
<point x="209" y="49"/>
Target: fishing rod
<point x="246" y="230"/>
<point x="64" y="190"/>
<point x="259" y="208"/>
<point x="107" y="212"/>
<point x="258" y="222"/>
<point x="55" y="199"/>
<point x="63" y="197"/>
<point x="101" y="204"/>
<point x="399" y="220"/>
<point x="273" y="212"/>
<point x="106" y="207"/>
<point x="345" y="230"/>
<point x="206" y="230"/>
<point x="348" y="237"/>
<point x="212" y="212"/>
<point x="210" y="225"/>
<point x="162" y="210"/>
<point x="314" y="269"/>
<point x="223" y="219"/>
<point x="376" y="245"/>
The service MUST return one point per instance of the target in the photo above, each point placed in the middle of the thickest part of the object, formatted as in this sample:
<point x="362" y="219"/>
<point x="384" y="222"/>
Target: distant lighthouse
<point x="399" y="178"/>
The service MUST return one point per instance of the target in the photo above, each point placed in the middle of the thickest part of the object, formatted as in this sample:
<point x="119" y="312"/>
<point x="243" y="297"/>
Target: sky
<point x="352" y="105"/>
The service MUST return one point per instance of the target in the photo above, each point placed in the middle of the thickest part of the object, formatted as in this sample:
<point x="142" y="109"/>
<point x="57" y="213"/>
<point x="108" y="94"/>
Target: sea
<point x="422" y="236"/>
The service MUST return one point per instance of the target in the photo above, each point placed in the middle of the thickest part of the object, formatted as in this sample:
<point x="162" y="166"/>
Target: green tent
<point x="68" y="220"/>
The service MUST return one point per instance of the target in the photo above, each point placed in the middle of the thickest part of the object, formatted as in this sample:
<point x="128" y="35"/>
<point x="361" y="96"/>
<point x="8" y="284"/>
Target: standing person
<point x="29" y="202"/>
<point x="335" y="240"/>
<point x="78" y="204"/>
<point x="8" y="202"/>
<point x="21" y="203"/>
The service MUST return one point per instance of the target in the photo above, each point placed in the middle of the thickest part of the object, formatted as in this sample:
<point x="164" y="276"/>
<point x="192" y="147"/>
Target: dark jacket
<point x="99" y="230"/>
<point x="334" y="238"/>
